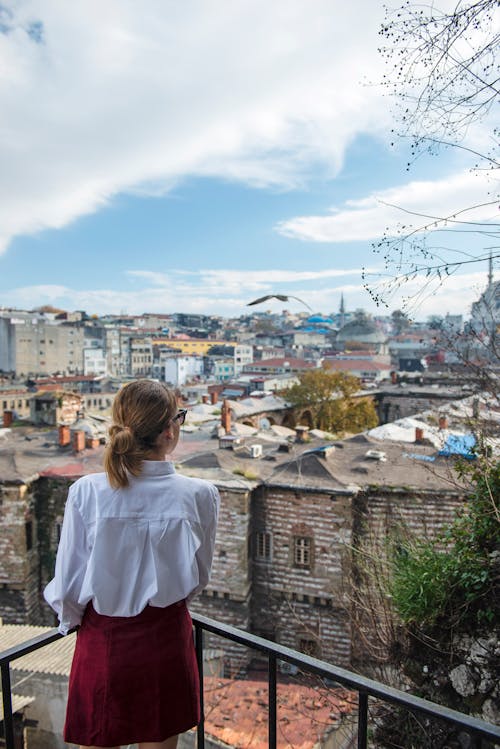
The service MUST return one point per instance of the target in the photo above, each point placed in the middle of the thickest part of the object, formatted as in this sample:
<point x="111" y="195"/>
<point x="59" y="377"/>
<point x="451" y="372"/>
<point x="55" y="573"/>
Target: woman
<point x="137" y="542"/>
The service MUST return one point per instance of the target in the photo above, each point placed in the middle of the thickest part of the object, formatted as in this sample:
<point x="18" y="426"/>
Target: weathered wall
<point x="50" y="499"/>
<point x="292" y="603"/>
<point x="423" y="513"/>
<point x="393" y="405"/>
<point x="46" y="714"/>
<point x="19" y="600"/>
<point x="226" y="597"/>
<point x="381" y="517"/>
<point x="225" y="611"/>
<point x="230" y="572"/>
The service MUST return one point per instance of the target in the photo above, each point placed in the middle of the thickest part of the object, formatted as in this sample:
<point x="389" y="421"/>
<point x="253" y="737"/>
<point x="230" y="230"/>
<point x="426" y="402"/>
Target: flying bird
<point x="280" y="297"/>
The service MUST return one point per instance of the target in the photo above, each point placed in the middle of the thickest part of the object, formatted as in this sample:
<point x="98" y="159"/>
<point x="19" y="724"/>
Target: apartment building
<point x="177" y="369"/>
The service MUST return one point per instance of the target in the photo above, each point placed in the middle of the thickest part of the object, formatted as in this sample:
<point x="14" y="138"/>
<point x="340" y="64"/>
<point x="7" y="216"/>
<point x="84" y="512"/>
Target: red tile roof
<point x="289" y="361"/>
<point x="356" y="365"/>
<point x="236" y="712"/>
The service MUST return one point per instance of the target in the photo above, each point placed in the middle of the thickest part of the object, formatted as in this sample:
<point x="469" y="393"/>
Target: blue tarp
<point x="310" y="329"/>
<point x="459" y="444"/>
<point x="320" y="318"/>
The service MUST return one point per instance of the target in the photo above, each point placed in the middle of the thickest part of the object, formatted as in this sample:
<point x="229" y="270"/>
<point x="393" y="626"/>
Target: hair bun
<point x="122" y="439"/>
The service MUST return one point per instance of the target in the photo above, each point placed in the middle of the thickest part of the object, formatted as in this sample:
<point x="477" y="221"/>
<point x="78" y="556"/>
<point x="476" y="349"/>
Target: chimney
<point x="419" y="434"/>
<point x="204" y="398"/>
<point x="301" y="434"/>
<point x="78" y="441"/>
<point x="8" y="418"/>
<point x="214" y="397"/>
<point x="443" y="422"/>
<point x="225" y="418"/>
<point x="394" y="377"/>
<point x="64" y="435"/>
<point x="91" y="442"/>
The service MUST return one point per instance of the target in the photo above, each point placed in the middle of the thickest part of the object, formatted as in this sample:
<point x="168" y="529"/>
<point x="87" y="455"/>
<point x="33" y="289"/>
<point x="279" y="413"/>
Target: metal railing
<point x="478" y="730"/>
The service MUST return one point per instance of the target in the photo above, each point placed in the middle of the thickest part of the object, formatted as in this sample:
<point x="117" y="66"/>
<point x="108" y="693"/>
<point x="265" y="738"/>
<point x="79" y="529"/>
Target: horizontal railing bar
<point x="17" y="651"/>
<point x="337" y="674"/>
<point x="349" y="679"/>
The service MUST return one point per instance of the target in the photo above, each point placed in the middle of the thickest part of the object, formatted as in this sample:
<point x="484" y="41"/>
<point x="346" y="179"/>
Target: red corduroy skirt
<point x="133" y="678"/>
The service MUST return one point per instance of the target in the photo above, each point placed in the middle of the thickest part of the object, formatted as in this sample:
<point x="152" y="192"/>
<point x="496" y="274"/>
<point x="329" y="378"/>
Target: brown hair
<point x="141" y="411"/>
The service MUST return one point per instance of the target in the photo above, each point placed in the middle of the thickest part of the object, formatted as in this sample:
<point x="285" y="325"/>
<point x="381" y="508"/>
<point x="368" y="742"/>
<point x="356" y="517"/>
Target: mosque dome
<point x="361" y="329"/>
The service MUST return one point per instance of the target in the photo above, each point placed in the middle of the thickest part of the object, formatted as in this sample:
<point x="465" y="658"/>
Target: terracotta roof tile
<point x="236" y="712"/>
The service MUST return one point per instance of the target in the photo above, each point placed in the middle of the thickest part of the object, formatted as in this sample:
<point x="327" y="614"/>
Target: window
<point x="28" y="527"/>
<point x="56" y="531"/>
<point x="309" y="647"/>
<point x="263" y="546"/>
<point x="302" y="551"/>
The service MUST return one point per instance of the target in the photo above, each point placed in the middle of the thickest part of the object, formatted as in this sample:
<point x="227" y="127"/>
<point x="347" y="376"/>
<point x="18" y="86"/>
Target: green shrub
<point x="454" y="577"/>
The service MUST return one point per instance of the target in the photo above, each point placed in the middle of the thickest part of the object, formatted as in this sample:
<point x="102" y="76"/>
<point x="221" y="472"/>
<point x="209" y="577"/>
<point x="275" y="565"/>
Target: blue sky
<point x="186" y="157"/>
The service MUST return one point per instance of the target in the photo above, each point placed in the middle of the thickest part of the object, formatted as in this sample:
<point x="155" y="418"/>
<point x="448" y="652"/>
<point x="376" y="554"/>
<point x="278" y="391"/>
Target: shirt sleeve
<point x="205" y="553"/>
<point x="63" y="591"/>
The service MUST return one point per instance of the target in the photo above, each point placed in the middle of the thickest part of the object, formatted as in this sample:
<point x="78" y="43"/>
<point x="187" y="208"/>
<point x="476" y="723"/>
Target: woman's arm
<point x="63" y="591"/>
<point x="205" y="552"/>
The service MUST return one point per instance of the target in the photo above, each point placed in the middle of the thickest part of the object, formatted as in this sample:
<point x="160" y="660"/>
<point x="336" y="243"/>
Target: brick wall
<point x="19" y="601"/>
<point x="381" y="517"/>
<point x="50" y="499"/>
<point x="296" y="603"/>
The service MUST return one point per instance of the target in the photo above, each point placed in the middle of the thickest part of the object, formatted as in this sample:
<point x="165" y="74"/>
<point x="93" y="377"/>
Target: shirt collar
<point x="157" y="467"/>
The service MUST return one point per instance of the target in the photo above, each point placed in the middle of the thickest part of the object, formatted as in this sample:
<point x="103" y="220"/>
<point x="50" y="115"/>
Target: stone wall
<point x="19" y="601"/>
<point x="225" y="611"/>
<point x="393" y="405"/>
<point x="302" y="604"/>
<point x="382" y="517"/>
<point x="230" y="569"/>
<point x="50" y="499"/>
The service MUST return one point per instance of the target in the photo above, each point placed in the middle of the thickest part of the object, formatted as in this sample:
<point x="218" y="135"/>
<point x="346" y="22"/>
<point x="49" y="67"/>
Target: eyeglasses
<point x="180" y="416"/>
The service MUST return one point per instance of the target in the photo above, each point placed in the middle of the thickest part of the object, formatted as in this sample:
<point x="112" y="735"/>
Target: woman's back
<point x="148" y="543"/>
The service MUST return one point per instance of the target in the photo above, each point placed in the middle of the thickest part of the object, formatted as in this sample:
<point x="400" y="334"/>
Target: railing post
<point x="7" y="707"/>
<point x="272" y="701"/>
<point x="362" y="720"/>
<point x="476" y="741"/>
<point x="199" y="657"/>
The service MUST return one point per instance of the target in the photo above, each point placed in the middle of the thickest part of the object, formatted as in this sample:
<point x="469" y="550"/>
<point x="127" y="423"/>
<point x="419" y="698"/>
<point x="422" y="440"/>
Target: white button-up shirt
<point x="149" y="543"/>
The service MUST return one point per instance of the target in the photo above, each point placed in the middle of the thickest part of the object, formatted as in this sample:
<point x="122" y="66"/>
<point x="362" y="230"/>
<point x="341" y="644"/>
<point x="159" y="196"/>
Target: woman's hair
<point x="141" y="411"/>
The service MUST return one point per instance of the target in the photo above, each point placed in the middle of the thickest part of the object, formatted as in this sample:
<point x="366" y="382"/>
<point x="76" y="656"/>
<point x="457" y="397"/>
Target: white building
<point x="243" y="354"/>
<point x="94" y="361"/>
<point x="177" y="369"/>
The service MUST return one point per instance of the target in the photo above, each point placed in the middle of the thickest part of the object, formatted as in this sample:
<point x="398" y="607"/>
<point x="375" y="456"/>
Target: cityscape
<point x="293" y="495"/>
<point x="287" y="215"/>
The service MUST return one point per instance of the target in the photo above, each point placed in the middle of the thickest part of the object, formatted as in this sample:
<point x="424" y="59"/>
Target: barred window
<point x="263" y="546"/>
<point x="309" y="647"/>
<point x="302" y="548"/>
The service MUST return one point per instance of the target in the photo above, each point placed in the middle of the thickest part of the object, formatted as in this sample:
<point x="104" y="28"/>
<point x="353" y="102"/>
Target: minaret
<point x="490" y="271"/>
<point x="342" y="310"/>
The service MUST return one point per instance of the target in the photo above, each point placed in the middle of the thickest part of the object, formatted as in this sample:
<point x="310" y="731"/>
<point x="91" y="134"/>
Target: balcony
<point x="481" y="734"/>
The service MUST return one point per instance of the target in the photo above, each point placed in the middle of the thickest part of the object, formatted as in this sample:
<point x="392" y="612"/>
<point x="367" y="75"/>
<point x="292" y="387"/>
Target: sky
<point x="189" y="157"/>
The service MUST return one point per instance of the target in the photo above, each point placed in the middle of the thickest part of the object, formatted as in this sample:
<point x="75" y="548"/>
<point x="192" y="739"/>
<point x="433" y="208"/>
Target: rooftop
<point x="236" y="712"/>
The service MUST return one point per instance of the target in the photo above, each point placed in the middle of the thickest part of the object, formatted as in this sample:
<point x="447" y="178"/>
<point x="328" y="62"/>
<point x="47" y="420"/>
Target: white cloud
<point x="227" y="292"/>
<point x="370" y="217"/>
<point x="243" y="278"/>
<point x="134" y="96"/>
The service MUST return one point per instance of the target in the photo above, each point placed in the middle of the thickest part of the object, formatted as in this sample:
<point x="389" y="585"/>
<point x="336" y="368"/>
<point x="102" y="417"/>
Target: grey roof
<point x="19" y="702"/>
<point x="28" y="452"/>
<point x="361" y="330"/>
<point x="52" y="659"/>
